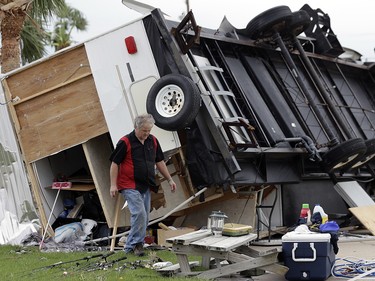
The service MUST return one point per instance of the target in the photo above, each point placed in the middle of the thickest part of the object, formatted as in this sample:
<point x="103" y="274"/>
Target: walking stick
<point x="115" y="225"/>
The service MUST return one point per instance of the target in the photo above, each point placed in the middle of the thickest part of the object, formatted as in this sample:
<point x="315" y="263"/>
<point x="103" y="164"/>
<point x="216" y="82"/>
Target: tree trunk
<point x="11" y="26"/>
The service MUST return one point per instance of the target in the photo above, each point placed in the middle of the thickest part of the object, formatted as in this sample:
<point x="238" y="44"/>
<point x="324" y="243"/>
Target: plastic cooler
<point x="309" y="256"/>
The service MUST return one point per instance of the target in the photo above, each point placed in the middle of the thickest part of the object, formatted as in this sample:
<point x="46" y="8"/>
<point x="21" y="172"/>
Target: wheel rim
<point x="368" y="156"/>
<point x="364" y="161"/>
<point x="343" y="163"/>
<point x="169" y="101"/>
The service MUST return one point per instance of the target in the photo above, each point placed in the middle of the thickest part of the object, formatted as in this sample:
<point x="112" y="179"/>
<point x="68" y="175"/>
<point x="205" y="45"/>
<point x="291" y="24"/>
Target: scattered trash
<point x="160" y="265"/>
<point x="74" y="231"/>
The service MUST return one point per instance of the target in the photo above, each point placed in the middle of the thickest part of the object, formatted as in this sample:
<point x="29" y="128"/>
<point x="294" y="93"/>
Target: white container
<point x="319" y="209"/>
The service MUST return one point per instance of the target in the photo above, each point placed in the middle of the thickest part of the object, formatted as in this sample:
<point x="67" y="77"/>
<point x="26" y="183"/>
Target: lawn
<point x="29" y="263"/>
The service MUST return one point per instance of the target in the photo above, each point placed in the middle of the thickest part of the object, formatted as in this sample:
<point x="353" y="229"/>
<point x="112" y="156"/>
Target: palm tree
<point x="68" y="19"/>
<point x="33" y="42"/>
<point x="34" y="37"/>
<point x="13" y="16"/>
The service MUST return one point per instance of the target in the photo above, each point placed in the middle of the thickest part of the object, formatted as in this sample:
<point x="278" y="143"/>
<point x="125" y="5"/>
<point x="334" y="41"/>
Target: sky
<point x="353" y="22"/>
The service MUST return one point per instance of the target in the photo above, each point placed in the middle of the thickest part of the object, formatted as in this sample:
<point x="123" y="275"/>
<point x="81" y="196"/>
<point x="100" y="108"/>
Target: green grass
<point x="28" y="263"/>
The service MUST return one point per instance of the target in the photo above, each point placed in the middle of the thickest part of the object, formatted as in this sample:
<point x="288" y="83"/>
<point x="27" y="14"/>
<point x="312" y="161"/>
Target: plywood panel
<point x="365" y="214"/>
<point x="238" y="209"/>
<point x="97" y="153"/>
<point x="58" y="107"/>
<point x="60" y="119"/>
<point x="48" y="73"/>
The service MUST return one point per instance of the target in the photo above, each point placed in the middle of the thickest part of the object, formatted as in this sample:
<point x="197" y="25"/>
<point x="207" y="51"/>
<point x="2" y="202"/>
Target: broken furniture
<point x="220" y="248"/>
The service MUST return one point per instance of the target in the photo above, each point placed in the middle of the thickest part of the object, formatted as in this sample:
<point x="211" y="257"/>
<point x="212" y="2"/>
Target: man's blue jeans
<point x="139" y="206"/>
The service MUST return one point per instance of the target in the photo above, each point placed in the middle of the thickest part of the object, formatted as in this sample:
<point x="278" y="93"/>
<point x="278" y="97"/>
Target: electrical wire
<point x="351" y="267"/>
<point x="9" y="101"/>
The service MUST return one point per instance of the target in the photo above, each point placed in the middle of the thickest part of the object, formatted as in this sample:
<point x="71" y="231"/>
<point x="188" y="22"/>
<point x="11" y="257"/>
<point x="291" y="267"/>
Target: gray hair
<point x="142" y="119"/>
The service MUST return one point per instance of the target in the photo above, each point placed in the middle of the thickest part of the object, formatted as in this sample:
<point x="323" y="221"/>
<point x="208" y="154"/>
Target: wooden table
<point x="203" y="243"/>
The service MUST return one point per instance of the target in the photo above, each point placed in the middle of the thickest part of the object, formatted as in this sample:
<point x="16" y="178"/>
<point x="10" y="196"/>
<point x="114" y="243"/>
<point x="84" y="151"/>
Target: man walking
<point x="132" y="173"/>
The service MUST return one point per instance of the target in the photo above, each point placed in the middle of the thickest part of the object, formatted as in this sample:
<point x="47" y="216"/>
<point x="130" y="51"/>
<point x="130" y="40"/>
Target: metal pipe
<point x="308" y="144"/>
<point x="322" y="89"/>
<point x="332" y="138"/>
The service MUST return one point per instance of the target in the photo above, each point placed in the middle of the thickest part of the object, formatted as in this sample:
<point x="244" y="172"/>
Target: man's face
<point x="143" y="132"/>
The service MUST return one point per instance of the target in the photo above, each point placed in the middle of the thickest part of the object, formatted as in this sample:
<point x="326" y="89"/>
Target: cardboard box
<point x="309" y="256"/>
<point x="163" y="235"/>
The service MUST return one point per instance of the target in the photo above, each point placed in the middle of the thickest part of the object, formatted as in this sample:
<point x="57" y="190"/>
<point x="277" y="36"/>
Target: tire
<point x="343" y="155"/>
<point x="368" y="156"/>
<point x="267" y="23"/>
<point x="297" y="23"/>
<point x="174" y="101"/>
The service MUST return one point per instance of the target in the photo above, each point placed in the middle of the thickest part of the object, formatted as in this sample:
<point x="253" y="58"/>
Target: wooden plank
<point x="186" y="239"/>
<point x="36" y="191"/>
<point x="276" y="268"/>
<point x="258" y="251"/>
<point x="229" y="203"/>
<point x="208" y="241"/>
<point x="75" y="211"/>
<point x="97" y="151"/>
<point x="51" y="89"/>
<point x="237" y="257"/>
<point x="196" y="251"/>
<point x="238" y="267"/>
<point x="60" y="119"/>
<point x="48" y="73"/>
<point x="184" y="262"/>
<point x="59" y="106"/>
<point x="175" y="268"/>
<point x="172" y="199"/>
<point x="223" y="243"/>
<point x="365" y="214"/>
<point x="232" y="242"/>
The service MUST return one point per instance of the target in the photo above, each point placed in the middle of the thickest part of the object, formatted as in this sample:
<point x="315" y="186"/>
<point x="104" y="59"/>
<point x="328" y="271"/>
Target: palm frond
<point x="33" y="43"/>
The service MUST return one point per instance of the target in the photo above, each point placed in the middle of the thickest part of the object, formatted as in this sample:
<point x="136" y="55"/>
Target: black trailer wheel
<point x="297" y="23"/>
<point x="344" y="155"/>
<point x="267" y="23"/>
<point x="368" y="156"/>
<point x="174" y="101"/>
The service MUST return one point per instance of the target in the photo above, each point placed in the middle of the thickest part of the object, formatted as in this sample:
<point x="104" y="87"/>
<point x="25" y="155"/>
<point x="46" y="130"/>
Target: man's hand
<point x="113" y="190"/>
<point x="172" y="184"/>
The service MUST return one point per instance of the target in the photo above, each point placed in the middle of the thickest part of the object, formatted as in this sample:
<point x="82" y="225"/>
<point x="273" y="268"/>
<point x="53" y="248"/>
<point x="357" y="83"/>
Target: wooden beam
<point x="46" y="91"/>
<point x="37" y="196"/>
<point x="238" y="267"/>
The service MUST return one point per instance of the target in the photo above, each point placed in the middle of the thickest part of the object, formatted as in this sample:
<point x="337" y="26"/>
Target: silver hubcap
<point x="169" y="101"/>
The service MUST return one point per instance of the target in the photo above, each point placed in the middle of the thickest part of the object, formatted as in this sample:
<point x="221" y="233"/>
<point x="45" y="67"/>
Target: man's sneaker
<point x="128" y="250"/>
<point x="138" y="250"/>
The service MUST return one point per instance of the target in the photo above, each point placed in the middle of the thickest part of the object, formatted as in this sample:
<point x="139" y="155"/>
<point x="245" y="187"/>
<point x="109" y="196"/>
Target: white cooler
<point x="309" y="256"/>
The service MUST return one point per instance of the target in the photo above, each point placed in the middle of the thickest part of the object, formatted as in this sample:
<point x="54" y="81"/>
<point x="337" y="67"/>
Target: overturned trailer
<point x="247" y="112"/>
